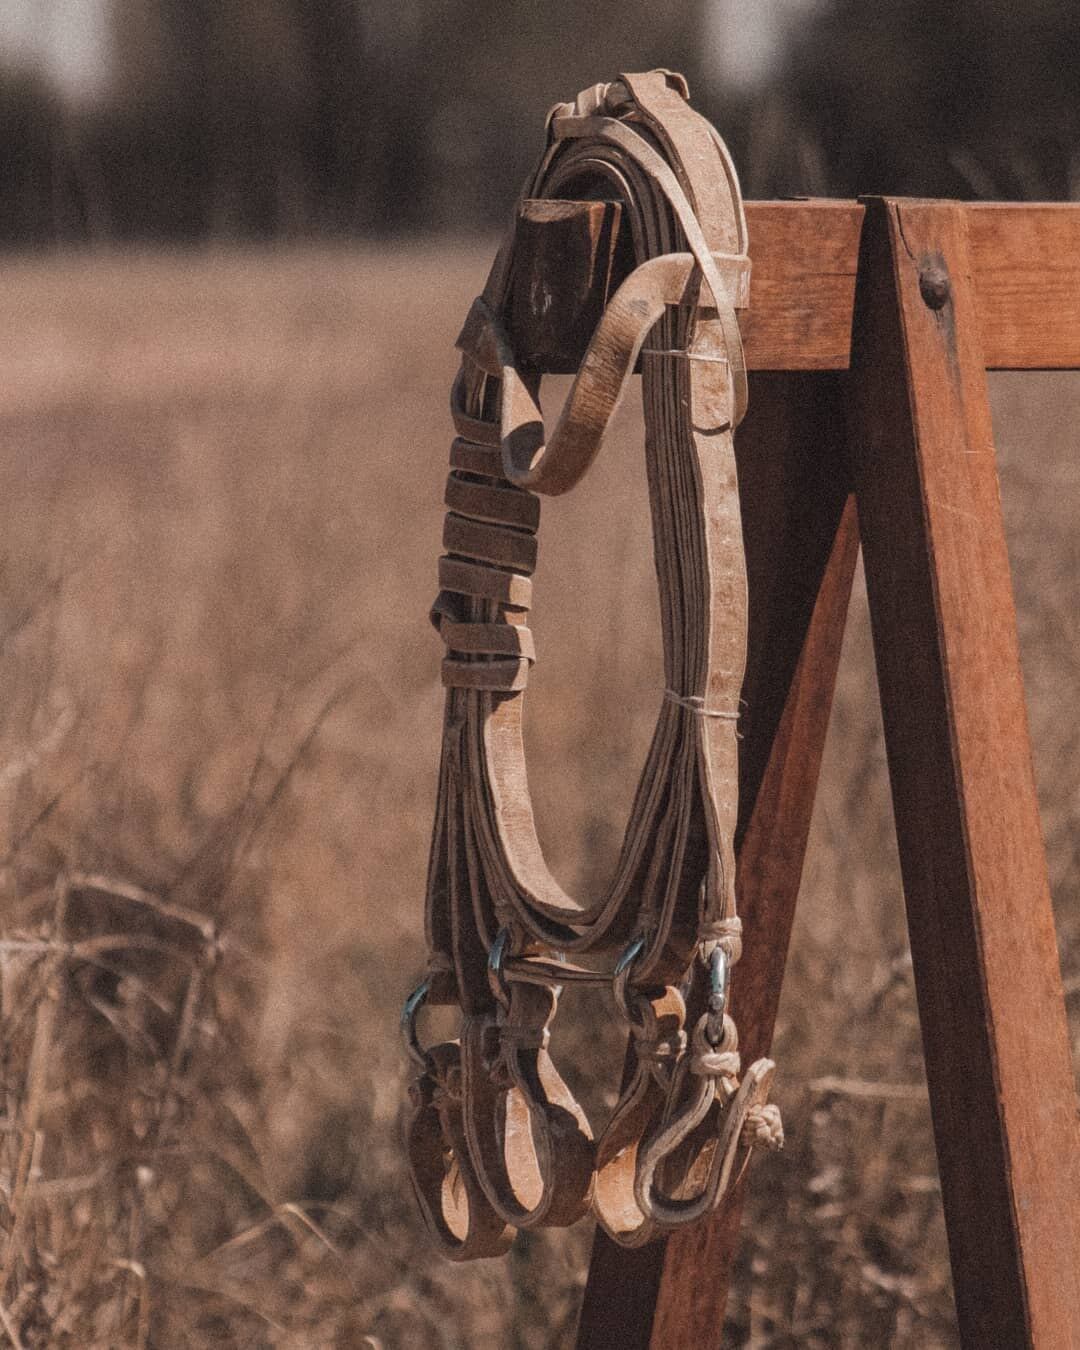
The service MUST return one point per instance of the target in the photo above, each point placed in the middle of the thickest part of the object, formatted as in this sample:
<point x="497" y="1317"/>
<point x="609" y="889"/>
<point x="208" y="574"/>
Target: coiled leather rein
<point x="494" y="1138"/>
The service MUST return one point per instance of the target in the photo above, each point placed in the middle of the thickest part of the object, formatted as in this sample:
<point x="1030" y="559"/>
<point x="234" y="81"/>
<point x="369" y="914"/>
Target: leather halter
<point x="493" y="1114"/>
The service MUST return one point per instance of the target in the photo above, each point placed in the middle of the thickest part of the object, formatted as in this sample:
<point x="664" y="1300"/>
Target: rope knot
<point x="725" y="933"/>
<point x="763" y="1128"/>
<point x="694" y="703"/>
<point x="716" y="1064"/>
<point x="716" y="1061"/>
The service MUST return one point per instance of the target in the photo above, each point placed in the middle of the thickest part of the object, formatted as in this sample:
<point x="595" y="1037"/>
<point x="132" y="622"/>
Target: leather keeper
<point x="489" y="639"/>
<point x="485" y="583"/>
<point x="505" y="676"/>
<point x="490" y="543"/>
<point x="470" y="457"/>
<point x="493" y="505"/>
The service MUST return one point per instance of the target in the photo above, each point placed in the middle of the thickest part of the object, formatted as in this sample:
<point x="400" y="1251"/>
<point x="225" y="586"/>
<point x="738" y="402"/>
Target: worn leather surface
<point x="531" y="1158"/>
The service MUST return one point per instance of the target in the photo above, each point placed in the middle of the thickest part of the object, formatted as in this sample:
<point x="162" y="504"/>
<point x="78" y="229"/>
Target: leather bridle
<point x="495" y="1139"/>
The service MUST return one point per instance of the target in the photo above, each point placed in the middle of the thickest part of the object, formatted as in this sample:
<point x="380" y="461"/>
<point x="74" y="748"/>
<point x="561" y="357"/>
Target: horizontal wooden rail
<point x="1026" y="274"/>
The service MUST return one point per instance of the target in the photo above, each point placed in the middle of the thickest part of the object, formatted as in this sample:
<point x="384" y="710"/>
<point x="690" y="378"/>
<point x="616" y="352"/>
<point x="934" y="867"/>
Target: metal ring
<point x="410" y="1008"/>
<point x="621" y="974"/>
<point x="719" y="972"/>
<point x="496" y="973"/>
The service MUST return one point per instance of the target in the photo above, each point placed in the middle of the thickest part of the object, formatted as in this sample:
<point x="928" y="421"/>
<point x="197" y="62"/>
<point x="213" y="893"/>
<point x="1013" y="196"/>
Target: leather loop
<point x="490" y="543"/>
<point x="493" y="676"/>
<point x="492" y="504"/>
<point x="490" y="639"/>
<point x="485" y="583"/>
<point x="640" y="1108"/>
<point x="529" y="1141"/>
<point x="688" y="1163"/>
<point x="478" y="459"/>
<point x="458" y="1214"/>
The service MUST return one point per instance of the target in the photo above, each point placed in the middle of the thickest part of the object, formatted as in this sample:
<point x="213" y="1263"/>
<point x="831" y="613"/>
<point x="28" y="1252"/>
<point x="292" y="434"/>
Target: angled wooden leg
<point x="801" y="545"/>
<point x="975" y="883"/>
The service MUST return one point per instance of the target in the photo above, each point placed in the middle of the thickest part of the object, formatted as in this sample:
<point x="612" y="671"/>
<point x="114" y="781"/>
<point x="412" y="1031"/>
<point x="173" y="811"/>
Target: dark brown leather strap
<point x="496" y="917"/>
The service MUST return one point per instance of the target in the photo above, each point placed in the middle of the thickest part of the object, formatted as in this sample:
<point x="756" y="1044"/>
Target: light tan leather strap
<point x="499" y="924"/>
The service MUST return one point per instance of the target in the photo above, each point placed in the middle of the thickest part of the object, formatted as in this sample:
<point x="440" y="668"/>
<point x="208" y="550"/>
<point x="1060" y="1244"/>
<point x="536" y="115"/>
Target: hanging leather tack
<point x="496" y="1141"/>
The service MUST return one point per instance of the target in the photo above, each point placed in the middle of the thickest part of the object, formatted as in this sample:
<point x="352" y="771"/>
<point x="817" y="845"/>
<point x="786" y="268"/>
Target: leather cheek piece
<point x="640" y="1109"/>
<point x="700" y="1142"/>
<point x="455" y="1210"/>
<point x="529" y="1141"/>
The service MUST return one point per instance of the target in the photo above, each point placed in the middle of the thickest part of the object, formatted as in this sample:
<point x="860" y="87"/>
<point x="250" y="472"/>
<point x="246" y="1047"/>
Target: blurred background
<point x="195" y="119"/>
<point x="238" y="242"/>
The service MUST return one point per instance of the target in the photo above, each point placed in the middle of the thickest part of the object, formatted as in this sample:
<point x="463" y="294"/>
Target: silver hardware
<point x="719" y="972"/>
<point x="411" y="1007"/>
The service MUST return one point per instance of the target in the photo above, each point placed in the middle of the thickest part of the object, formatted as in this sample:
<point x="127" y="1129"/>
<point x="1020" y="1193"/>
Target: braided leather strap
<point x="493" y="906"/>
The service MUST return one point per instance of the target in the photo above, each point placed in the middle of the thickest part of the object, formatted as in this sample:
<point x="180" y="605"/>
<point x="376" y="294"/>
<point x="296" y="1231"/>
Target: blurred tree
<point x="926" y="99"/>
<point x="289" y="117"/>
<point x="337" y="97"/>
<point x="30" y="132"/>
<point x="202" y="132"/>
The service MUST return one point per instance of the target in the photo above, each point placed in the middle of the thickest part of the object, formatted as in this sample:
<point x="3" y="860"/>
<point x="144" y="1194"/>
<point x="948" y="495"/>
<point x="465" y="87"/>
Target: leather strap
<point x="496" y="917"/>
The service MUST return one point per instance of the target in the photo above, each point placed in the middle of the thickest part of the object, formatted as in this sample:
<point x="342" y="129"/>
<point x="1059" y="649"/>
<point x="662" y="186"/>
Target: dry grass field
<point x="221" y="504"/>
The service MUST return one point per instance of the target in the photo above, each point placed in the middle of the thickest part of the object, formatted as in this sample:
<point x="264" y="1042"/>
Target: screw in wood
<point x="934" y="286"/>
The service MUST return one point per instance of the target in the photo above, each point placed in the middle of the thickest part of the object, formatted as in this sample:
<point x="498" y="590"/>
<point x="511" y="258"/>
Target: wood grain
<point x="563" y="256"/>
<point x="1025" y="261"/>
<point x="1026" y="267"/>
<point x="802" y="284"/>
<point x="975" y="883"/>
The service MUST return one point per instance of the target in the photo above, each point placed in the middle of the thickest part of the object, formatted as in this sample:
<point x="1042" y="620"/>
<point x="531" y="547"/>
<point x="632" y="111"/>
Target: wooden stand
<point x="870" y="329"/>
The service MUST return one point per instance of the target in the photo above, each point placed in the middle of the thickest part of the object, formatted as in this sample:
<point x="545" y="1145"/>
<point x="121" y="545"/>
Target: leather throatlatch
<point x="495" y="1139"/>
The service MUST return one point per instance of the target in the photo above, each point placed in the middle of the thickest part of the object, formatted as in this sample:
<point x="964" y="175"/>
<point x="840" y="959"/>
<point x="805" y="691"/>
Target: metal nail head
<point x="934" y="286"/>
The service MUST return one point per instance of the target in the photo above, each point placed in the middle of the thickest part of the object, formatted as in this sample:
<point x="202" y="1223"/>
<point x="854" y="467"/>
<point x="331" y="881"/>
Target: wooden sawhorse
<point x="870" y="330"/>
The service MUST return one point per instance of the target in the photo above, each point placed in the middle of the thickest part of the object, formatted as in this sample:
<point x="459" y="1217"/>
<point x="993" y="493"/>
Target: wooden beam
<point x="554" y="308"/>
<point x="1026" y="267"/>
<point x="1025" y="259"/>
<point x="982" y="933"/>
<point x="1026" y="262"/>
<point x="982" y="930"/>
<point x="801" y="546"/>
<point x="802" y="284"/>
